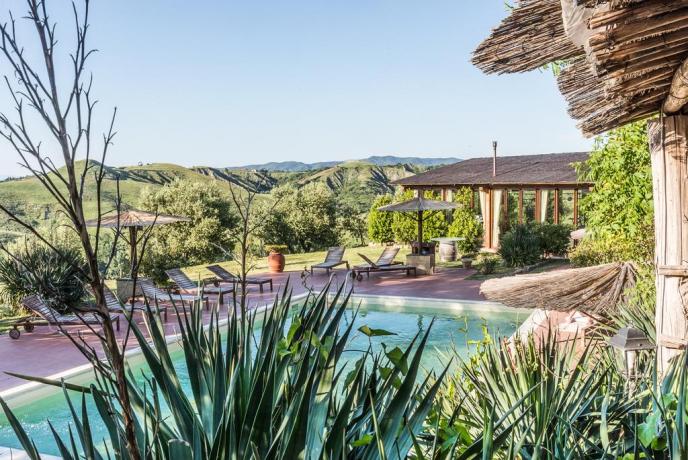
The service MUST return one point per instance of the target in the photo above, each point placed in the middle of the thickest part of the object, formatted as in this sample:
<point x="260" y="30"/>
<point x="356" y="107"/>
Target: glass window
<point x="566" y="207"/>
<point x="528" y="206"/>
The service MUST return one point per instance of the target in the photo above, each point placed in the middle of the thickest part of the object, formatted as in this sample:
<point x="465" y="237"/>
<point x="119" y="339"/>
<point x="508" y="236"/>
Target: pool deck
<point x="47" y="353"/>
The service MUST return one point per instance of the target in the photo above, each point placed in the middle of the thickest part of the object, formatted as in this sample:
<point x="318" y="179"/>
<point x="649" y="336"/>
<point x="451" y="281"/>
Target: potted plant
<point x="276" y="257"/>
<point x="467" y="260"/>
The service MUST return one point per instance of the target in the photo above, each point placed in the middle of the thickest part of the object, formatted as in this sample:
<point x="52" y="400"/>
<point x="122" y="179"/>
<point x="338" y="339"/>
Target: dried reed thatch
<point x="622" y="58"/>
<point x="594" y="290"/>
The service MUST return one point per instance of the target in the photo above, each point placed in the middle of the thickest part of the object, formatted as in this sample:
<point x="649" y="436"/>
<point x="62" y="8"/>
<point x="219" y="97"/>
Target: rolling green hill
<point x="357" y="183"/>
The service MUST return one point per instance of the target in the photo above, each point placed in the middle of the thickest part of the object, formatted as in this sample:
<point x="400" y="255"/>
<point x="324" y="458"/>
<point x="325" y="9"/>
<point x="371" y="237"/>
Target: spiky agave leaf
<point x="276" y="392"/>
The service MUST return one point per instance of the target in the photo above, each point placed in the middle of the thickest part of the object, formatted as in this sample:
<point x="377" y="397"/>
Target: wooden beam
<point x="487" y="221"/>
<point x="678" y="92"/>
<point x="669" y="155"/>
<point x="556" y="205"/>
<point x="673" y="270"/>
<point x="505" y="208"/>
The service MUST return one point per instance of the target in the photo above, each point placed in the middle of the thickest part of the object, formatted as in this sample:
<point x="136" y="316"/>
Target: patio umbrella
<point x="418" y="206"/>
<point x="135" y="221"/>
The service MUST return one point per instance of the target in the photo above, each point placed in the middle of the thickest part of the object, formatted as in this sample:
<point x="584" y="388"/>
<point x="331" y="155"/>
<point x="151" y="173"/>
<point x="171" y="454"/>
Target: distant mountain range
<point x="387" y="160"/>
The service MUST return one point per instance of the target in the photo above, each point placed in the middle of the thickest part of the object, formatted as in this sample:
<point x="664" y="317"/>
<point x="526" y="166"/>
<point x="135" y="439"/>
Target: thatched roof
<point x="620" y="56"/>
<point x="594" y="290"/>
<point x="554" y="169"/>
<point x="418" y="204"/>
<point x="135" y="218"/>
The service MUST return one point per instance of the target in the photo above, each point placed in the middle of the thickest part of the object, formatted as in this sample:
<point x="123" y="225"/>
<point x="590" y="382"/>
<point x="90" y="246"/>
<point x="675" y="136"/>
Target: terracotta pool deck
<point x="45" y="352"/>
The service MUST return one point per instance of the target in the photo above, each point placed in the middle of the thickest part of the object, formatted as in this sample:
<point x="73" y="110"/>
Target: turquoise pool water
<point x="456" y="325"/>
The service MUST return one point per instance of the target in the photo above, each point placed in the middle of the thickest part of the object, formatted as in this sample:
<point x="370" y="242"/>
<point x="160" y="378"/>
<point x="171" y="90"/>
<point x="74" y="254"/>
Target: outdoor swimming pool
<point x="457" y="323"/>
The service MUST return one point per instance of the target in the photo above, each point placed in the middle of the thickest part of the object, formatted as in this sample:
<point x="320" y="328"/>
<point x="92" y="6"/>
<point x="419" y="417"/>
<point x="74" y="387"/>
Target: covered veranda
<point x="511" y="190"/>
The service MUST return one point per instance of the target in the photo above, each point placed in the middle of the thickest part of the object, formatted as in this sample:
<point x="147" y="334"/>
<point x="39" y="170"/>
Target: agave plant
<point x="557" y="401"/>
<point x="35" y="268"/>
<point x="278" y="391"/>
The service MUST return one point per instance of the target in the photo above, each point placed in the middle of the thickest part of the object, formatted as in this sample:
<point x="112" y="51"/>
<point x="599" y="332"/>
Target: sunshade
<point x="419" y="205"/>
<point x="134" y="220"/>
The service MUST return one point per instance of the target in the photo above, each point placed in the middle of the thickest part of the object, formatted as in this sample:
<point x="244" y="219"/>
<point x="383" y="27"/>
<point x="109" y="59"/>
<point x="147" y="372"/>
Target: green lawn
<point x="298" y="261"/>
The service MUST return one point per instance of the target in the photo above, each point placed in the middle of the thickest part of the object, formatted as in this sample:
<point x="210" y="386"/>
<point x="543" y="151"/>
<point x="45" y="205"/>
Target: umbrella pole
<point x="420" y="231"/>
<point x="132" y="250"/>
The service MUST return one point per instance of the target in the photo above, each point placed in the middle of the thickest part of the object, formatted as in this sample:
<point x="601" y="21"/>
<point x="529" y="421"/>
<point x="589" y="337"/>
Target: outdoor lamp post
<point x="628" y="342"/>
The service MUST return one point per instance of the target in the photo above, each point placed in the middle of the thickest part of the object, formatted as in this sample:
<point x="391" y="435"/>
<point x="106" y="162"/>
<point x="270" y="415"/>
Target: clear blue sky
<point x="224" y="83"/>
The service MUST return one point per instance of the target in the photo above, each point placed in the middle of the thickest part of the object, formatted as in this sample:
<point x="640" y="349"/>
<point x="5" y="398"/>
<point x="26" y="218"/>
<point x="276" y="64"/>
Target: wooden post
<point x="538" y="203"/>
<point x="556" y="205"/>
<point x="575" y="208"/>
<point x="520" y="206"/>
<point x="505" y="208"/>
<point x="487" y="224"/>
<point x="669" y="151"/>
<point x="420" y="231"/>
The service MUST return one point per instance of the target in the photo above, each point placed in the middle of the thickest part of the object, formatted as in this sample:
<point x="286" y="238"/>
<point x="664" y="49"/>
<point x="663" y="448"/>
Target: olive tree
<point x="205" y="238"/>
<point x="304" y="219"/>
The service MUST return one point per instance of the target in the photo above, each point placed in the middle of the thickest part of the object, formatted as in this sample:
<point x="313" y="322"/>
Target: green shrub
<point x="488" y="264"/>
<point x="37" y="269"/>
<point x="279" y="248"/>
<point x="619" y="208"/>
<point x="520" y="246"/>
<point x="380" y="222"/>
<point x="465" y="223"/>
<point x="555" y="239"/>
<point x="595" y="251"/>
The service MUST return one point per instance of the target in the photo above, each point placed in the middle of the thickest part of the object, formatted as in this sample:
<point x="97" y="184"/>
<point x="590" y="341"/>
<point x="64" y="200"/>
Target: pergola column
<point x="487" y="213"/>
<point x="669" y="152"/>
<point x="556" y="206"/>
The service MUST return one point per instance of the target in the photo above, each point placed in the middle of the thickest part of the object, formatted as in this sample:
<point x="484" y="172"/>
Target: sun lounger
<point x="228" y="277"/>
<point x="385" y="259"/>
<point x="389" y="265"/>
<point x="115" y="306"/>
<point x="52" y="317"/>
<point x="185" y="284"/>
<point x="151" y="291"/>
<point x="332" y="259"/>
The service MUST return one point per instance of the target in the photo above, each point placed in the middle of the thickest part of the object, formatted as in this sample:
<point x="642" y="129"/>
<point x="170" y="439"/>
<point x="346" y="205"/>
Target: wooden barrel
<point x="447" y="251"/>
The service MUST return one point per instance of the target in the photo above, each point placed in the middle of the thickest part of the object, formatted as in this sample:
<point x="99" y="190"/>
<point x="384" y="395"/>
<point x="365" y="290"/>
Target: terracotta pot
<point x="276" y="262"/>
<point x="467" y="263"/>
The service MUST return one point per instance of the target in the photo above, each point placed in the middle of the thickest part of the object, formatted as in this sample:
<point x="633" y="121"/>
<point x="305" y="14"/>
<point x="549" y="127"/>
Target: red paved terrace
<point x="46" y="352"/>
